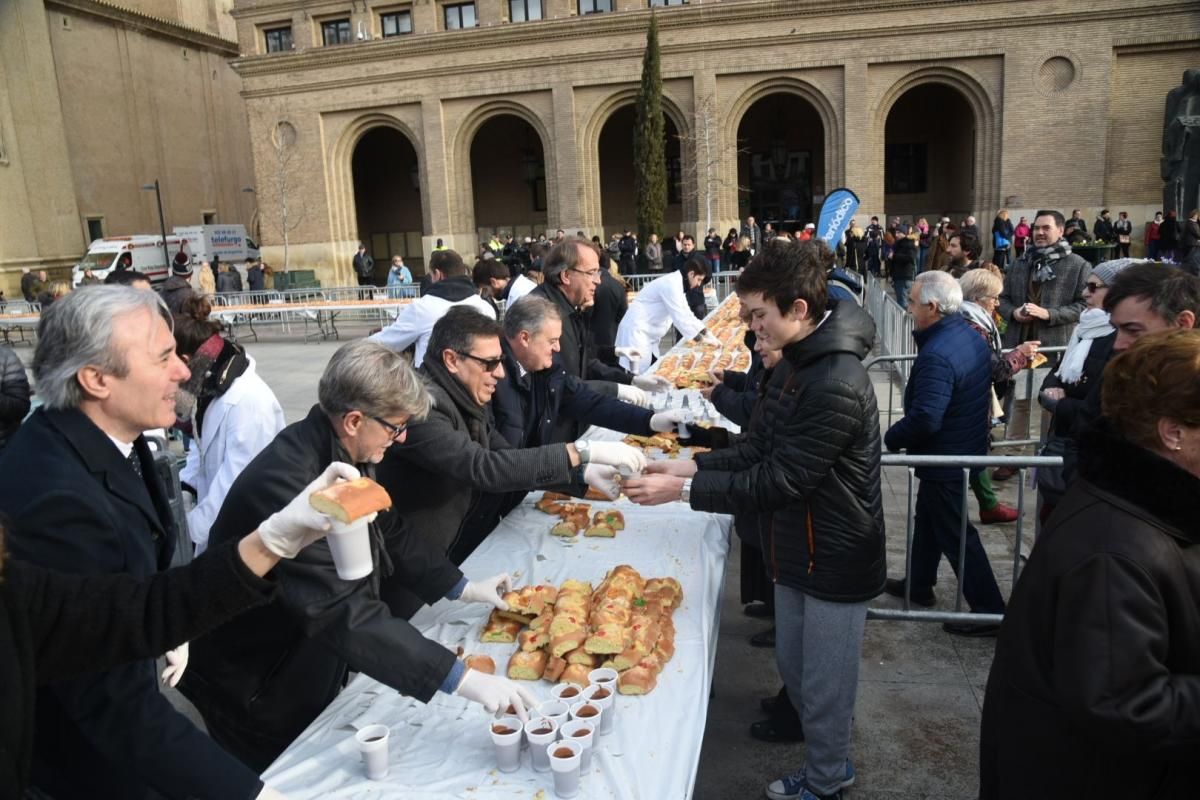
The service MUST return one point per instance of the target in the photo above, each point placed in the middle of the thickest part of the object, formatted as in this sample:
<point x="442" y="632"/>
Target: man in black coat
<point x="695" y="296"/>
<point x="611" y="303"/>
<point x="449" y="481"/>
<point x="627" y="248"/>
<point x="106" y="370"/>
<point x="364" y="267"/>
<point x="812" y="465"/>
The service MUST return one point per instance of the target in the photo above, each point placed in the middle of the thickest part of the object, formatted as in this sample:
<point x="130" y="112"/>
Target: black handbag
<point x="1053" y="482"/>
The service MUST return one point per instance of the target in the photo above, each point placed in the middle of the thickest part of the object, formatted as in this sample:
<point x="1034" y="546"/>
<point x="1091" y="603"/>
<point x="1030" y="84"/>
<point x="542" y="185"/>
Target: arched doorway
<point x="387" y="199"/>
<point x="618" y="200"/>
<point x="781" y="161"/>
<point x="508" y="178"/>
<point x="929" y="154"/>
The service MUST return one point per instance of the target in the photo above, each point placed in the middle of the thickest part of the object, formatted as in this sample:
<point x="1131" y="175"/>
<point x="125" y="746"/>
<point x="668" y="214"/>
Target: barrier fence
<point x="966" y="463"/>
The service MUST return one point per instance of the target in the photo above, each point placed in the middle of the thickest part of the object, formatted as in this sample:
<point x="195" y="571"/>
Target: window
<point x="95" y="228"/>
<point x="524" y="10"/>
<point x="395" y="23"/>
<point x="674" y="181"/>
<point x="668" y="3"/>
<point x="459" y="16"/>
<point x="335" y="31"/>
<point x="905" y="168"/>
<point x="279" y="40"/>
<point x="594" y="6"/>
<point x="209" y="217"/>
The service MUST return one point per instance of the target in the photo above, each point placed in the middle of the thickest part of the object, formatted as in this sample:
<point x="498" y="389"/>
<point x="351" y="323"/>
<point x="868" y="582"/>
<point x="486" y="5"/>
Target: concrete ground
<point x="916" y="732"/>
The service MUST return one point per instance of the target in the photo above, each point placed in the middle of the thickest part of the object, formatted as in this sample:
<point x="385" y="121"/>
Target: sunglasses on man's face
<point x="488" y="364"/>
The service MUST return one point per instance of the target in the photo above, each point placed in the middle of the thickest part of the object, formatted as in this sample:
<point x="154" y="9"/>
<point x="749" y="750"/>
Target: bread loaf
<point x="351" y="500"/>
<point x="527" y="666"/>
<point x="638" y="680"/>
<point x="600" y="530"/>
<point x="554" y="669"/>
<point x="481" y="663"/>
<point x="576" y="674"/>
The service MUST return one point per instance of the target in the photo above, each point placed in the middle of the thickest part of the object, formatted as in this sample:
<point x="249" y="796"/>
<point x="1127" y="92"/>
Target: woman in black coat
<point x="1095" y="686"/>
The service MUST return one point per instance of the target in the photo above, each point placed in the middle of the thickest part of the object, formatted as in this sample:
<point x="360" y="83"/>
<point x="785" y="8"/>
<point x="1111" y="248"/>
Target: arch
<point x="780" y="160"/>
<point x="464" y="212"/>
<point x="984" y="196"/>
<point x="340" y="177"/>
<point x="589" y="175"/>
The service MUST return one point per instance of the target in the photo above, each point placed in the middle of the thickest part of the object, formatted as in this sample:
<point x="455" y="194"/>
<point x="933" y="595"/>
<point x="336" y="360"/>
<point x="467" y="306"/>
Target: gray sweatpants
<point x="817" y="646"/>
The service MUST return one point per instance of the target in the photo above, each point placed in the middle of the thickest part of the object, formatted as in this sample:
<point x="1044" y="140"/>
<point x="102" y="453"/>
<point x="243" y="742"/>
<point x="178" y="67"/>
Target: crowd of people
<point x="459" y="410"/>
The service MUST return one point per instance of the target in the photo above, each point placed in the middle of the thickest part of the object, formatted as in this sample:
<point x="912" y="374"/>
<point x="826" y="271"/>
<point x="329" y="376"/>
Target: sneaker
<point x="795" y="786"/>
<point x="895" y="587"/>
<point x="1001" y="513"/>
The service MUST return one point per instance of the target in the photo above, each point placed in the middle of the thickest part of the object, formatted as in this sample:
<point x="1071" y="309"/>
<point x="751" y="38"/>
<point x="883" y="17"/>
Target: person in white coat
<point x="225" y="406"/>
<point x="451" y="287"/>
<point x="658" y="305"/>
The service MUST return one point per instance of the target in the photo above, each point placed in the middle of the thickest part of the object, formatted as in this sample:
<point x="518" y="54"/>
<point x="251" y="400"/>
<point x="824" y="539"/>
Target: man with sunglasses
<point x="450" y="479"/>
<point x="259" y="681"/>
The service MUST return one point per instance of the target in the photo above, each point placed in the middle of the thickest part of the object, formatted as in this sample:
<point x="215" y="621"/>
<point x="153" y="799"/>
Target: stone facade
<point x="97" y="99"/>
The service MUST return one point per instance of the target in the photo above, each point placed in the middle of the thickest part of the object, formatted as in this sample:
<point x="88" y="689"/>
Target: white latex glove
<point x="494" y="692"/>
<point x="603" y="479"/>
<point x="628" y="352"/>
<point x="268" y="793"/>
<point x="488" y="591"/>
<point x="709" y="339"/>
<point x="632" y="394"/>
<point x="297" y="525"/>
<point x="614" y="454"/>
<point x="665" y="421"/>
<point x="177" y="661"/>
<point x="652" y="383"/>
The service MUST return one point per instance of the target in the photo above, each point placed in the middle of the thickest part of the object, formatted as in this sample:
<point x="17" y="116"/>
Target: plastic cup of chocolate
<point x="373" y="744"/>
<point x="565" y="759"/>
<point x="506" y="736"/>
<point x="556" y="710"/>
<point x="541" y="733"/>
<point x="584" y="732"/>
<point x="567" y="692"/>
<point x="603" y="695"/>
<point x="588" y="711"/>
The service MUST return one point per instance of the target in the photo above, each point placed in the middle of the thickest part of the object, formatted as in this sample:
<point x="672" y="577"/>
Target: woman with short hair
<point x="1095" y="686"/>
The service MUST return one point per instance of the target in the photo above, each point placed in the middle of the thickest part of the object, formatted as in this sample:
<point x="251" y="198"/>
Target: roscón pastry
<point x="499" y="629"/>
<point x="527" y="666"/>
<point x="481" y="663"/>
<point x="351" y="500"/>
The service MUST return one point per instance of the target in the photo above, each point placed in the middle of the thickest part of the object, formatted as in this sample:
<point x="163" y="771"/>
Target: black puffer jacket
<point x="14" y="393"/>
<point x="1094" y="690"/>
<point x="811" y="466"/>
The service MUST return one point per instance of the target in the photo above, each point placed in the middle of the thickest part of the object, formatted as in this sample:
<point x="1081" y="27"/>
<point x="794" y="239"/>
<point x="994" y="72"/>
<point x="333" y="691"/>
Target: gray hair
<point x="564" y="256"/>
<point x="368" y="377"/>
<point x="528" y="314"/>
<point x="976" y="284"/>
<point x="939" y="288"/>
<point x="77" y="331"/>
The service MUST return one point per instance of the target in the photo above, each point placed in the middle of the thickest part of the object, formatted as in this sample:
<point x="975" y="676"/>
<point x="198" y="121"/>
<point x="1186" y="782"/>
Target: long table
<point x="323" y="313"/>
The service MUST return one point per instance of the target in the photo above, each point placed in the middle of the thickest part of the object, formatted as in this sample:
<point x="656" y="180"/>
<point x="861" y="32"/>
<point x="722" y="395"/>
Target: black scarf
<point x="475" y="415"/>
<point x="211" y="377"/>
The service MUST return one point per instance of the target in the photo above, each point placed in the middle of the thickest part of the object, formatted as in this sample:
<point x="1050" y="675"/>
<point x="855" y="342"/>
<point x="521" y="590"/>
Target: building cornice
<point x="771" y="16"/>
<point x="184" y="34"/>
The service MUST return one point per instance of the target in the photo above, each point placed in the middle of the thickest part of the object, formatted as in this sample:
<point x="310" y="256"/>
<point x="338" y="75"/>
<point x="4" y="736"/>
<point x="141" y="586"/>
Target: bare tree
<point x="702" y="181"/>
<point x="278" y="195"/>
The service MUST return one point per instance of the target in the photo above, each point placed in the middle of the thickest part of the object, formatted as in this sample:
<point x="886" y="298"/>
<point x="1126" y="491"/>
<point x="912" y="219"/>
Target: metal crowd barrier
<point x="722" y="282"/>
<point x="13" y="331"/>
<point x="965" y="463"/>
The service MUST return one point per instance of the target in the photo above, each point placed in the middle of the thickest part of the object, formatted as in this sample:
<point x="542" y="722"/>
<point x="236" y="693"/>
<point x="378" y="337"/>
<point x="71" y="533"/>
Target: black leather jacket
<point x="14" y="393"/>
<point x="811" y="467"/>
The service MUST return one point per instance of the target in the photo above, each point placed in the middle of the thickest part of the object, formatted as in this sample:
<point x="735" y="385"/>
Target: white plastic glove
<point x="603" y="479"/>
<point x="614" y="454"/>
<point x="268" y="793"/>
<point x="632" y="394"/>
<point x="710" y="340"/>
<point x="177" y="661"/>
<point x="652" y="383"/>
<point x="494" y="692"/>
<point x="297" y="525"/>
<point x="665" y="421"/>
<point x="628" y="352"/>
<point x="488" y="591"/>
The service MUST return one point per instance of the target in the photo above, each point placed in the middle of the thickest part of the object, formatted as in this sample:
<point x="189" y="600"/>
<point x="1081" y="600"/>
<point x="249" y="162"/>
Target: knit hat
<point x="1108" y="271"/>
<point x="182" y="264"/>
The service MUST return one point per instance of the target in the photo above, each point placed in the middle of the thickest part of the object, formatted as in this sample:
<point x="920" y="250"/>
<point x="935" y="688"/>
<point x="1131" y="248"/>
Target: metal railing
<point x="966" y="463"/>
<point x="722" y="282"/>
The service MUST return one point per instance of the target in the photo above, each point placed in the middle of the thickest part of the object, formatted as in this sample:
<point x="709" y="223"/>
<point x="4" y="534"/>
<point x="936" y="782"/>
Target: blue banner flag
<point x="836" y="215"/>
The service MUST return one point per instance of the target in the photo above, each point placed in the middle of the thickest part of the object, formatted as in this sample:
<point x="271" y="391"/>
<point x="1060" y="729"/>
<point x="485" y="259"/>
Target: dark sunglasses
<point x="1095" y="287"/>
<point x="488" y="364"/>
<point x="396" y="431"/>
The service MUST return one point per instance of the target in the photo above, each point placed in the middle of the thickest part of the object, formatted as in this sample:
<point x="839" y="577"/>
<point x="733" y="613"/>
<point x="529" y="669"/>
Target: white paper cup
<point x="588" y="711"/>
<point x="351" y="548"/>
<point x="373" y="744"/>
<point x="556" y="710"/>
<point x="603" y="675"/>
<point x="566" y="768"/>
<point x="538" y="742"/>
<point x="566" y="692"/>
<point x="506" y="736"/>
<point x="583" y="732"/>
<point x="607" y="704"/>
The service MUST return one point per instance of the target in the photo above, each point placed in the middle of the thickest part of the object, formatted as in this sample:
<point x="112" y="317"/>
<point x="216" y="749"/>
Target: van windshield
<point x="97" y="261"/>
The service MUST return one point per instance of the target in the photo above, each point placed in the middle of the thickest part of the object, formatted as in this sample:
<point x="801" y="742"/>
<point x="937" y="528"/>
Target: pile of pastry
<point x="624" y="623"/>
<point x="668" y="443"/>
<point x="577" y="517"/>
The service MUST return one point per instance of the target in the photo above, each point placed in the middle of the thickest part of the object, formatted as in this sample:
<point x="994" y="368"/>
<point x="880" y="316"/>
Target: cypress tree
<point x="649" y="143"/>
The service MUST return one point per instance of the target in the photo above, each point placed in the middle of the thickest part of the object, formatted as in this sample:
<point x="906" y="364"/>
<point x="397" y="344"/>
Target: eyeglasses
<point x="1093" y="287"/>
<point x="488" y="364"/>
<point x="395" y="431"/>
<point x="593" y="274"/>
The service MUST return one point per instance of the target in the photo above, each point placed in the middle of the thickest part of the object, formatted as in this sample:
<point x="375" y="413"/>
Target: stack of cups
<point x="506" y="736"/>
<point x="602" y="690"/>
<point x="541" y="733"/>
<point x="583" y="732"/>
<point x="565" y="758"/>
<point x="373" y="744"/>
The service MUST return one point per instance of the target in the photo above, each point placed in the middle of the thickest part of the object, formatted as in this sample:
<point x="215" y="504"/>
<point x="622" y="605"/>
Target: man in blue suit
<point x="947" y="409"/>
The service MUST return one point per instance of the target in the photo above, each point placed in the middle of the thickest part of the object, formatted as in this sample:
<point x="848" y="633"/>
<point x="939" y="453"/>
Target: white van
<point x="145" y="254"/>
<point x="230" y="242"/>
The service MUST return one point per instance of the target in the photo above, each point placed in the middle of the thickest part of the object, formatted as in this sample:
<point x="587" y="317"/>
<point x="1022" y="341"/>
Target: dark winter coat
<point x="55" y="626"/>
<point x="14" y="393"/>
<point x="1095" y="686"/>
<point x="175" y="290"/>
<point x="1080" y="405"/>
<point x="947" y="401"/>
<point x="276" y="668"/>
<point x="89" y="513"/>
<point x="228" y="282"/>
<point x="364" y="265"/>
<point x="811" y="466"/>
<point x="904" y="259"/>
<point x="738" y="392"/>
<point x="29" y="282"/>
<point x="256" y="278"/>
<point x="1103" y="230"/>
<point x="609" y="309"/>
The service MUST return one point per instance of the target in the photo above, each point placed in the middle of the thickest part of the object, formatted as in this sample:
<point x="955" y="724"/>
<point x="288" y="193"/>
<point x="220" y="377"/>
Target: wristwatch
<point x="685" y="494"/>
<point x="584" y="449"/>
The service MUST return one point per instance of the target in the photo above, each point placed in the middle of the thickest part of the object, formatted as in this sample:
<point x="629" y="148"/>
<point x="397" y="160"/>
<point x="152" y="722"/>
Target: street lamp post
<point x="162" y="222"/>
